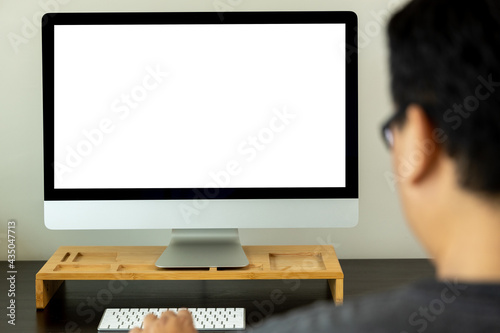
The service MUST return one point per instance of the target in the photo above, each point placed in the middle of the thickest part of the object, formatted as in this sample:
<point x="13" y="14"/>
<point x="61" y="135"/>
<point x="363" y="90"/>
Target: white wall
<point x="381" y="232"/>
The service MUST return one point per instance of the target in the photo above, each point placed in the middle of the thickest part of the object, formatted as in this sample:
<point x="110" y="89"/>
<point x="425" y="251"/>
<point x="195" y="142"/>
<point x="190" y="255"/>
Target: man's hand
<point x="169" y="322"/>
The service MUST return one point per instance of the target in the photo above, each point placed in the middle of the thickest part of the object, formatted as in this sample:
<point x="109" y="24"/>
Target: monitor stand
<point x="197" y="248"/>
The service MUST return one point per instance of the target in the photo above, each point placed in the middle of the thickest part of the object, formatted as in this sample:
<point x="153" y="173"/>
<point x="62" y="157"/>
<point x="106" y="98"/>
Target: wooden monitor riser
<point x="138" y="263"/>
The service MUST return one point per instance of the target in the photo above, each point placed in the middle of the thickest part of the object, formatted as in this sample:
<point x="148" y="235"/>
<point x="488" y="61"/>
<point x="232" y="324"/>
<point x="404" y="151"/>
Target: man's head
<point x="445" y="67"/>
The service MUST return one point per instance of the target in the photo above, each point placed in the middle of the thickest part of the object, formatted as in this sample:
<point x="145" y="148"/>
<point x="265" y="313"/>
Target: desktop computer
<point x="203" y="123"/>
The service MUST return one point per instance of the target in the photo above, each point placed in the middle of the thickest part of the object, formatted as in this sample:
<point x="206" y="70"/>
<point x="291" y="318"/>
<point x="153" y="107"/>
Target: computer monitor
<point x="203" y="123"/>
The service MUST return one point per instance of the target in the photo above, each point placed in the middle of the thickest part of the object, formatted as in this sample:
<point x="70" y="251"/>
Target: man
<point x="445" y="143"/>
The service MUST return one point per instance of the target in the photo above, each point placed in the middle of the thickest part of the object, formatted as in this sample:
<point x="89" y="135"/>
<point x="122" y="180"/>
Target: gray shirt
<point x="427" y="306"/>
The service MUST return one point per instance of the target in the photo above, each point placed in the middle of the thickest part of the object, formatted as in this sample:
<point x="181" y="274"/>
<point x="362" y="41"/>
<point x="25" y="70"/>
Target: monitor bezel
<point x="350" y="191"/>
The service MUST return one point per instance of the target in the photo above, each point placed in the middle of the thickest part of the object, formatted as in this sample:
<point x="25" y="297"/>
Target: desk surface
<point x="78" y="305"/>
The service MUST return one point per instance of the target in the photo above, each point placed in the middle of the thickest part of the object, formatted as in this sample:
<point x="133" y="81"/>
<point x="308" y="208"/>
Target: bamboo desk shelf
<point x="138" y="263"/>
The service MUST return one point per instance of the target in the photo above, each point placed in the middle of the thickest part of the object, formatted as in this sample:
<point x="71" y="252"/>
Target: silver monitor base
<point x="197" y="248"/>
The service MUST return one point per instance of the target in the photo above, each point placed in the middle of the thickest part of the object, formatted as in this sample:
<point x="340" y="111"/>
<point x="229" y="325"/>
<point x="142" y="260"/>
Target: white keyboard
<point x="205" y="319"/>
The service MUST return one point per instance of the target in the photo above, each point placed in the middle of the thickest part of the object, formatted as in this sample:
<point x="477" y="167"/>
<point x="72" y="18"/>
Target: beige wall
<point x="381" y="232"/>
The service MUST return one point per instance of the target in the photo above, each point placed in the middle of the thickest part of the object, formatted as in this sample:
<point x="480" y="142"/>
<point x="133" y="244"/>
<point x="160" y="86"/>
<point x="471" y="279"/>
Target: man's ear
<point x="414" y="146"/>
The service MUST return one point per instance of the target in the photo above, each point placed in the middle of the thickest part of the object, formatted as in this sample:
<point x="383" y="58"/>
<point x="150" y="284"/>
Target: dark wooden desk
<point x="78" y="305"/>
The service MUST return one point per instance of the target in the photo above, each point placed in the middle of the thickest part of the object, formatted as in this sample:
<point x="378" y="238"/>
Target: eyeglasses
<point x="387" y="134"/>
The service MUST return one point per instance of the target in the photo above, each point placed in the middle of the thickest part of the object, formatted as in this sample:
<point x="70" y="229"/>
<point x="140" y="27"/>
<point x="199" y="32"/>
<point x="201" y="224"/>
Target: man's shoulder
<point x="427" y="305"/>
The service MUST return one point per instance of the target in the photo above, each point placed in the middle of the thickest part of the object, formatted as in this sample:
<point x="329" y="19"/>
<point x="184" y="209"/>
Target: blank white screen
<point x="181" y="106"/>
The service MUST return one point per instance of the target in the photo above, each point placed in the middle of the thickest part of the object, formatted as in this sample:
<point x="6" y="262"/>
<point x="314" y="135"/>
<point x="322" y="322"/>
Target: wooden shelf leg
<point x="337" y="290"/>
<point x="45" y="289"/>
